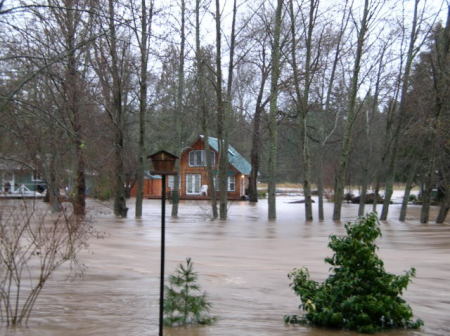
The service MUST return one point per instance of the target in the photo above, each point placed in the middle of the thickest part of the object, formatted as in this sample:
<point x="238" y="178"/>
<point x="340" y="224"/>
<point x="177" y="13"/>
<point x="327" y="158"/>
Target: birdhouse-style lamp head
<point x="163" y="163"/>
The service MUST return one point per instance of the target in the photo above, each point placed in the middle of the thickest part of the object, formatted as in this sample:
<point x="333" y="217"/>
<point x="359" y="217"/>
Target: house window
<point x="197" y="158"/>
<point x="231" y="183"/>
<point x="36" y="176"/>
<point x="193" y="184"/>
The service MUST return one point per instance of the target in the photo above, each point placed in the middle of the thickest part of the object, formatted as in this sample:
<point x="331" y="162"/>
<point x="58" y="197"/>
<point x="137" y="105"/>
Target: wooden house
<point x="194" y="175"/>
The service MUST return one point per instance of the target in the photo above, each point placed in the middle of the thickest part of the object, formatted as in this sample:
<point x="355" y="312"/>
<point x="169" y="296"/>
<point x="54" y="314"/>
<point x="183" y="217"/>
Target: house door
<point x="193" y="184"/>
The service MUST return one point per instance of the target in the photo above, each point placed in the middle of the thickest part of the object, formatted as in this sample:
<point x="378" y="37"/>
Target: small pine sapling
<point x="359" y="294"/>
<point x="184" y="302"/>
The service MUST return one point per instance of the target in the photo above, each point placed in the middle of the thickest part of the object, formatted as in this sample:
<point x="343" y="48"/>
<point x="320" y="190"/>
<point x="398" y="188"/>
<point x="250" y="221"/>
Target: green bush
<point x="184" y="302"/>
<point x="412" y="198"/>
<point x="359" y="294"/>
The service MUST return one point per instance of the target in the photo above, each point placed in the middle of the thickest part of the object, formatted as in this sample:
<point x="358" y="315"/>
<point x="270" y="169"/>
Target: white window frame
<point x="193" y="160"/>
<point x="192" y="183"/>
<point x="36" y="177"/>
<point x="231" y="182"/>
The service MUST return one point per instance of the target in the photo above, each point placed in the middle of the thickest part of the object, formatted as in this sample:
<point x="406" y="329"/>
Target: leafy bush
<point x="359" y="294"/>
<point x="184" y="303"/>
<point x="412" y="198"/>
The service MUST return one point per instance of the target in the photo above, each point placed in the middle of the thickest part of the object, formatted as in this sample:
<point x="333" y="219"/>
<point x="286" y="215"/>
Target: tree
<point x="200" y="59"/>
<point x="440" y="71"/>
<point x="143" y="42"/>
<point x="359" y="294"/>
<point x="302" y="98"/>
<point x="179" y="108"/>
<point x="412" y="51"/>
<point x="362" y="30"/>
<point x="273" y="111"/>
<point x="184" y="302"/>
<point x="33" y="246"/>
<point x="112" y="68"/>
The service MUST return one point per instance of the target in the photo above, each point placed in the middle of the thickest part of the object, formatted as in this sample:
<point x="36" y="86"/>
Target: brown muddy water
<point x="242" y="264"/>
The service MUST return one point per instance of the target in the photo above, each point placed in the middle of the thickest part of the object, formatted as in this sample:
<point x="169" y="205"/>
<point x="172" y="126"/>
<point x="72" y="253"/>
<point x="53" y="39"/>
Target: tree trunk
<point x="79" y="202"/>
<point x="445" y="206"/>
<point x="302" y="100"/>
<point x="320" y="187"/>
<point x="179" y="111"/>
<point x="201" y="93"/>
<point x="426" y="196"/>
<point x="442" y="87"/>
<point x="401" y="116"/>
<point x="53" y="186"/>
<point x="223" y="151"/>
<point x="145" y="22"/>
<point x="120" y="208"/>
<point x="351" y="116"/>
<point x="370" y="116"/>
<point x="408" y="187"/>
<point x="273" y="111"/>
<point x="72" y="93"/>
<point x="254" y="155"/>
<point x="343" y="25"/>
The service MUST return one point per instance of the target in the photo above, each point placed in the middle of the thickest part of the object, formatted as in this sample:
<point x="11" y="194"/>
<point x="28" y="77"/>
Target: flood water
<point x="242" y="264"/>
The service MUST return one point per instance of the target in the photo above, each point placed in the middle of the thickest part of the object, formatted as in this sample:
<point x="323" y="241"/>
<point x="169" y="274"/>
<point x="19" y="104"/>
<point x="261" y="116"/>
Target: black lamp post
<point x="163" y="164"/>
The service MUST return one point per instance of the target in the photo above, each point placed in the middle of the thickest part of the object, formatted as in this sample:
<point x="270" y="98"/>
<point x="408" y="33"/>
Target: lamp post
<point x="163" y="164"/>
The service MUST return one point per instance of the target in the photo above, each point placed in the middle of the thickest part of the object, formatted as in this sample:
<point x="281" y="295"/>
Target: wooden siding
<point x="152" y="187"/>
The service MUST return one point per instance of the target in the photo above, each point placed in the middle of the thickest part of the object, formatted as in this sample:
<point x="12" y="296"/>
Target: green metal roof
<point x="236" y="159"/>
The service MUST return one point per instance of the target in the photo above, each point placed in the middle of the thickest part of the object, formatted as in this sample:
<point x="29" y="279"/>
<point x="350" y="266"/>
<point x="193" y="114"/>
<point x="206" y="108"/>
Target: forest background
<point x="322" y="93"/>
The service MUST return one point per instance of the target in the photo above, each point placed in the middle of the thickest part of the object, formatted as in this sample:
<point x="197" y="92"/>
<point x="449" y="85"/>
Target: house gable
<point x="234" y="157"/>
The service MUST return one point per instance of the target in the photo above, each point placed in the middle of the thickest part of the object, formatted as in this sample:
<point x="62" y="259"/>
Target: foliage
<point x="184" y="303"/>
<point x="103" y="189"/>
<point x="359" y="294"/>
<point x="412" y="198"/>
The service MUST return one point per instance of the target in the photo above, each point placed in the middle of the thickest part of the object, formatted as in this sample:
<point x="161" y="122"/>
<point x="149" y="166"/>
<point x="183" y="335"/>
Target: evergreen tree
<point x="359" y="294"/>
<point x="184" y="302"/>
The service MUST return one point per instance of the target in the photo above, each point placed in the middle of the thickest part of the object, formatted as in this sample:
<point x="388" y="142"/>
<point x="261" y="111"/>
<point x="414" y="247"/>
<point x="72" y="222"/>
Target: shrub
<point x="359" y="294"/>
<point x="412" y="198"/>
<point x="184" y="302"/>
<point x="33" y="245"/>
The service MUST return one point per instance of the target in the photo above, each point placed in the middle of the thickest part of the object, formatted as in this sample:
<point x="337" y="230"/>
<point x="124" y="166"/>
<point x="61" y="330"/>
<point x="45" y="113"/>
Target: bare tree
<point x="273" y="111"/>
<point x="33" y="245"/>
<point x="179" y="108"/>
<point x="143" y="39"/>
<point x="302" y="96"/>
<point x="412" y="51"/>
<point x="112" y="68"/>
<point x="440" y="68"/>
<point x="362" y="30"/>
<point x="201" y="94"/>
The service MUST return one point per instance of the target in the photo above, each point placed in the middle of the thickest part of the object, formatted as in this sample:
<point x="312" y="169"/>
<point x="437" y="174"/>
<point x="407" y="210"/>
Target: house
<point x="19" y="179"/>
<point x="194" y="175"/>
<point x="152" y="186"/>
